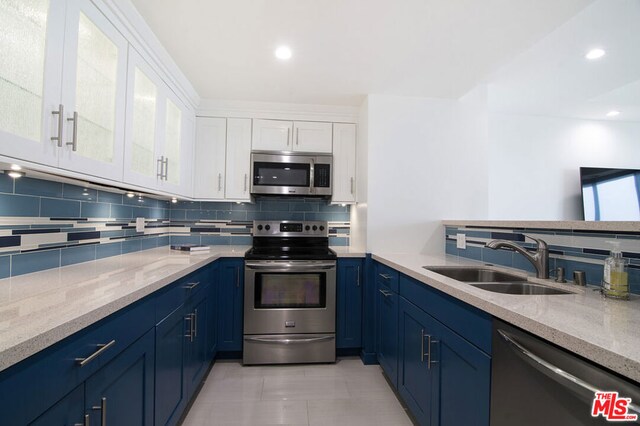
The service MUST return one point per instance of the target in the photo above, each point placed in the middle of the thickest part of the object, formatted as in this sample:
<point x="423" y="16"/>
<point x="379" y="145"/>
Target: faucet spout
<point x="539" y="259"/>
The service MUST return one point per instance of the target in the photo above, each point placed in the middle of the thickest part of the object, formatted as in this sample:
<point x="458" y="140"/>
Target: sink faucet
<point x="539" y="259"/>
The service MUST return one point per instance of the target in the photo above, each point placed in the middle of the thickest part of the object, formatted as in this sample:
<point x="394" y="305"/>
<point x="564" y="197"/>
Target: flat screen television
<point x="610" y="194"/>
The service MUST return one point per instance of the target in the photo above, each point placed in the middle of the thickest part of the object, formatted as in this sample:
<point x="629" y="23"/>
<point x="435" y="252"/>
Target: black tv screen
<point x="610" y="194"/>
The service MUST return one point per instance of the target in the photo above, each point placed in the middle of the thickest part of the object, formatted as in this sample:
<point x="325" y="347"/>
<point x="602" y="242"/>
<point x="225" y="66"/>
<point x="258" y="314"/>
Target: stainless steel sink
<point x="474" y="275"/>
<point x="519" y="288"/>
<point x="494" y="281"/>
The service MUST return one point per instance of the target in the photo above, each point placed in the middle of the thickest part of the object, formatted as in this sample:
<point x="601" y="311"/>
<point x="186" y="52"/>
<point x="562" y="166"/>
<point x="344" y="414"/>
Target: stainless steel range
<point x="290" y="294"/>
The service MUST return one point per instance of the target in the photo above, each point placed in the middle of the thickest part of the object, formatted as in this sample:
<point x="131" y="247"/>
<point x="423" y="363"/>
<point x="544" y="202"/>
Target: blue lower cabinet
<point x="212" y="312"/>
<point x="418" y="367"/>
<point x="121" y="392"/>
<point x="349" y="304"/>
<point x="230" y="306"/>
<point x="68" y="411"/>
<point x="170" y="392"/>
<point x="387" y="331"/>
<point x="197" y="359"/>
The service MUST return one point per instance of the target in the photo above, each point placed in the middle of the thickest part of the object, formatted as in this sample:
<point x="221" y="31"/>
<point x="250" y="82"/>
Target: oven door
<point x="281" y="174"/>
<point x="289" y="297"/>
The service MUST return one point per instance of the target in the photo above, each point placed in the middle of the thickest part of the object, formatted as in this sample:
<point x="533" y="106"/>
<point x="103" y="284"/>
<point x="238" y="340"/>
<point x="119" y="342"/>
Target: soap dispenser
<point x="616" y="279"/>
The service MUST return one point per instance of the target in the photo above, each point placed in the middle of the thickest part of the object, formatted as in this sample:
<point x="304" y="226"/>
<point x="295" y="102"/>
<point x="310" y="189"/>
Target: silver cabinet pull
<point x="74" y="139"/>
<point x="189" y="335"/>
<point x="385" y="276"/>
<point x="60" y="114"/>
<point x="191" y="286"/>
<point x="568" y="380"/>
<point x="219" y="181"/>
<point x="159" y="174"/>
<point x="358" y="277"/>
<point x="429" y="342"/>
<point x="101" y="348"/>
<point x="245" y="182"/>
<point x="352" y="185"/>
<point x="288" y="341"/>
<point x="85" y="423"/>
<point x="166" y="168"/>
<point x="103" y="410"/>
<point x="422" y="354"/>
<point x="385" y="293"/>
<point x="297" y="136"/>
<point x="195" y="323"/>
<point x="288" y="134"/>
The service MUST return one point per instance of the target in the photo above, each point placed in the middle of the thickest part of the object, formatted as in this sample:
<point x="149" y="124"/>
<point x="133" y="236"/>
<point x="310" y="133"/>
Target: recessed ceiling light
<point x="130" y="194"/>
<point x="16" y="167"/>
<point x="14" y="174"/>
<point x="595" y="54"/>
<point x="174" y="200"/>
<point x="613" y="113"/>
<point x="283" y="52"/>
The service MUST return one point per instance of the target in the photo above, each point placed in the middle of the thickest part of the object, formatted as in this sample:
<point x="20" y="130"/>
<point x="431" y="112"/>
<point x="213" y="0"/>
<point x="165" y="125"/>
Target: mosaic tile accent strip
<point x="572" y="250"/>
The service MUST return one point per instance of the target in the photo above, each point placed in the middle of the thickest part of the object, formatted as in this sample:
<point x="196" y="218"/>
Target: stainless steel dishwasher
<point x="536" y="383"/>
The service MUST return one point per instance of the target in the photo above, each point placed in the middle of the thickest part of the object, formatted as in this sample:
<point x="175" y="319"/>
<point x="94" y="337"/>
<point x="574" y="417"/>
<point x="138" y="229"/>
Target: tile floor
<point x="344" y="393"/>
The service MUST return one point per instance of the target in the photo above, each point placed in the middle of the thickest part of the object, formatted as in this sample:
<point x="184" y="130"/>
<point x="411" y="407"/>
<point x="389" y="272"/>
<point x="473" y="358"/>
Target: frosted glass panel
<point x="23" y="28"/>
<point x="145" y="96"/>
<point x="96" y="83"/>
<point x="173" y="137"/>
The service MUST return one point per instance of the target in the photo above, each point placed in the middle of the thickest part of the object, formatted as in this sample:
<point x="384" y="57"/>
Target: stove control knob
<point x="259" y="227"/>
<point x="321" y="228"/>
<point x="267" y="227"/>
<point x="307" y="228"/>
<point x="314" y="227"/>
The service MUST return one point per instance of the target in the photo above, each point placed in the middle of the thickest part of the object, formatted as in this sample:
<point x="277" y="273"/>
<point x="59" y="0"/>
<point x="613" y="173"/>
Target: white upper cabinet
<point x="31" y="49"/>
<point x="176" y="157"/>
<point x="272" y="135"/>
<point x="298" y="136"/>
<point x="344" y="163"/>
<point x="209" y="171"/>
<point x="93" y="93"/>
<point x="238" y="166"/>
<point x="311" y="137"/>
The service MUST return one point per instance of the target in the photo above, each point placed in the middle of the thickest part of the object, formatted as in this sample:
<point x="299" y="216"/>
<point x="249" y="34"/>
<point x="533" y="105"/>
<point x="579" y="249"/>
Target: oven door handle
<point x="289" y="266"/>
<point x="288" y="341"/>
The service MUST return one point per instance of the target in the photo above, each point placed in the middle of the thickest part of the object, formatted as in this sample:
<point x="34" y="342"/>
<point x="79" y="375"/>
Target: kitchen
<point x="449" y="125"/>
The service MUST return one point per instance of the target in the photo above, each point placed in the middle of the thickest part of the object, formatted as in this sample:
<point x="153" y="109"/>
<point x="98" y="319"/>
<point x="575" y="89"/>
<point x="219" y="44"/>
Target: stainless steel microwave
<point x="291" y="174"/>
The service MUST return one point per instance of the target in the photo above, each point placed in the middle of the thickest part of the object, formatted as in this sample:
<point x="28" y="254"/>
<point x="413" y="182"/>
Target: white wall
<point x="427" y="161"/>
<point x="534" y="162"/>
<point x="359" y="210"/>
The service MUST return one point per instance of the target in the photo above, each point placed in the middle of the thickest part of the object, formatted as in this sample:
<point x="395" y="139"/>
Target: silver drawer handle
<point x="566" y="379"/>
<point x="103" y="410"/>
<point x="386" y="276"/>
<point x="191" y="286"/>
<point x="101" y="348"/>
<point x="385" y="292"/>
<point x="288" y="341"/>
<point x="86" y="421"/>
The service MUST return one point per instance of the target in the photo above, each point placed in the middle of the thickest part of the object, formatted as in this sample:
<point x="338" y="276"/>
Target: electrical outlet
<point x="461" y="241"/>
<point x="139" y="224"/>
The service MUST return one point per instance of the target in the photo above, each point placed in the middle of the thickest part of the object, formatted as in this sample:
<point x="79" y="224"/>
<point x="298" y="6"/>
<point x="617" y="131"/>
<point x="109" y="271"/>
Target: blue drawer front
<point x="387" y="276"/>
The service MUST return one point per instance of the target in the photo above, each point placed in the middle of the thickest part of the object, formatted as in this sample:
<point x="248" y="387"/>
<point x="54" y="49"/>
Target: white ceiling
<point x="345" y="49"/>
<point x="553" y="77"/>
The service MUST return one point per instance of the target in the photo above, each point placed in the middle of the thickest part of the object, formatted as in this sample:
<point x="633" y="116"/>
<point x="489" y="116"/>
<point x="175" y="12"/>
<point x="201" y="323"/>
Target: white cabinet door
<point x="238" y="159"/>
<point x="141" y="149"/>
<point x="344" y="163"/>
<point x="177" y="146"/>
<point x="31" y="52"/>
<point x="94" y="92"/>
<point x="311" y="137"/>
<point x="272" y="135"/>
<point x="209" y="159"/>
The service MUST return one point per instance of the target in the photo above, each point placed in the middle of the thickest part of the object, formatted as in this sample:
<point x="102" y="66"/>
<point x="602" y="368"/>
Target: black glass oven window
<point x="281" y="174"/>
<point x="290" y="290"/>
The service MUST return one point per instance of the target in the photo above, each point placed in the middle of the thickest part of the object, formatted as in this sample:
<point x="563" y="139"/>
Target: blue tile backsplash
<point x="46" y="224"/>
<point x="579" y="250"/>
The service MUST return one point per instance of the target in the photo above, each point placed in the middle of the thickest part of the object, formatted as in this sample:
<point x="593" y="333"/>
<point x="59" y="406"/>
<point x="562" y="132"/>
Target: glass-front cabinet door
<point x="31" y="46"/>
<point x="94" y="85"/>
<point x="142" y="162"/>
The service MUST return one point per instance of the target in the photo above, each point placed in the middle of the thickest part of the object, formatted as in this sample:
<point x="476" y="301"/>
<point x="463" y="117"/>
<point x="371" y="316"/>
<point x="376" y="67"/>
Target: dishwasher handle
<point x="568" y="380"/>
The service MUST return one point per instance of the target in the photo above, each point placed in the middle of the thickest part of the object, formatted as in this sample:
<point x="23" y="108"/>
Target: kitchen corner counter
<point x="348" y="251"/>
<point x="40" y="309"/>
<point x="602" y="330"/>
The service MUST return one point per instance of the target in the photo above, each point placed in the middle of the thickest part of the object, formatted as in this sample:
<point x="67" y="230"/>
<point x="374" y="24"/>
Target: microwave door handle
<point x="311" y="177"/>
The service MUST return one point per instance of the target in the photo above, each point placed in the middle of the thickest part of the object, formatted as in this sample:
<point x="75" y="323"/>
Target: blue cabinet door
<point x="387" y="331"/>
<point x="230" y="306"/>
<point x="196" y="360"/>
<point x="465" y="380"/>
<point x="417" y="370"/>
<point x="212" y="311"/>
<point x="68" y="411"/>
<point x="349" y="304"/>
<point x="170" y="395"/>
<point x="121" y="392"/>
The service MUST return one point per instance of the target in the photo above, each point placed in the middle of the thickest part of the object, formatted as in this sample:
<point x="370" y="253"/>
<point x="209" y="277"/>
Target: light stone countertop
<point x="348" y="251"/>
<point x="570" y="225"/>
<point x="604" y="331"/>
